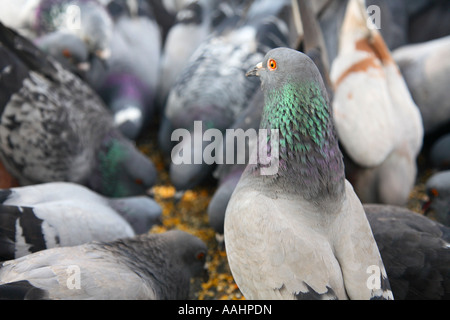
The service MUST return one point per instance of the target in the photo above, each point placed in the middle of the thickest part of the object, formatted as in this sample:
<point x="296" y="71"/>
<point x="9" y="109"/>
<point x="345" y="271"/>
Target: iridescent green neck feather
<point x="310" y="159"/>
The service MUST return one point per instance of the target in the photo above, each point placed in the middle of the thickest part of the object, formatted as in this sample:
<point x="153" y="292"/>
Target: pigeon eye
<point x="272" y="64"/>
<point x="139" y="181"/>
<point x="434" y="192"/>
<point x="200" y="256"/>
<point x="66" y="53"/>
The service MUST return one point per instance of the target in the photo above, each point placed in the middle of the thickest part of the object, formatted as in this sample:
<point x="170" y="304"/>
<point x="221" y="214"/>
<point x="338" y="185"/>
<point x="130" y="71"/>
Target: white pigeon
<point x="377" y="121"/>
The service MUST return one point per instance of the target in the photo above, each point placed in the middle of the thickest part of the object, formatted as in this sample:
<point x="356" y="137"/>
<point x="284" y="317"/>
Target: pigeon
<point x="212" y="88"/>
<point x="130" y="82"/>
<point x="426" y="70"/>
<point x="54" y="214"/>
<point x="87" y="19"/>
<point x="192" y="25"/>
<point x="73" y="54"/>
<point x="415" y="251"/>
<point x="53" y="127"/>
<point x="294" y="227"/>
<point x="149" y="266"/>
<point x="228" y="175"/>
<point x="440" y="153"/>
<point x="438" y="190"/>
<point x="69" y="50"/>
<point x="378" y="123"/>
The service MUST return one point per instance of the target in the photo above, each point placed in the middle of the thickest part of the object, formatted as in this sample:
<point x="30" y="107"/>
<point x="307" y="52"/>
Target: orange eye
<point x="200" y="255"/>
<point x="272" y="64"/>
<point x="139" y="181"/>
<point x="66" y="53"/>
<point x="434" y="192"/>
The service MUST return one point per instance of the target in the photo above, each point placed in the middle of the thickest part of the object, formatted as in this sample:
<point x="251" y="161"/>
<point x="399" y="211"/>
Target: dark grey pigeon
<point x="415" y="252"/>
<point x="53" y="127"/>
<point x="213" y="89"/>
<point x="149" y="266"/>
<point x="438" y="191"/>
<point x="294" y="228"/>
<point x="60" y="214"/>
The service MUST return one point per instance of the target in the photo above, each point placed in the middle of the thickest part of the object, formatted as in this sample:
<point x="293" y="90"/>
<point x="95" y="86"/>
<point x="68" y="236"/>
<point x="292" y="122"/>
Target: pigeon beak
<point x="104" y="54"/>
<point x="254" y="72"/>
<point x="84" y="66"/>
<point x="426" y="207"/>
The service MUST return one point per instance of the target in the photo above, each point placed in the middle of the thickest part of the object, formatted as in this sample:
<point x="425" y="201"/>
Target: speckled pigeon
<point x="149" y="266"/>
<point x="54" y="214"/>
<point x="378" y="123"/>
<point x="213" y="88"/>
<point x="294" y="228"/>
<point x="415" y="251"/>
<point x="53" y="127"/>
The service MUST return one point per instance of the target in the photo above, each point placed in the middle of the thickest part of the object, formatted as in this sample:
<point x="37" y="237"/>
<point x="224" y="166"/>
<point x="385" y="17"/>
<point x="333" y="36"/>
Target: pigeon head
<point x="121" y="170"/>
<point x="296" y="104"/>
<point x="284" y="65"/>
<point x="67" y="49"/>
<point x="438" y="191"/>
<point x="188" y="251"/>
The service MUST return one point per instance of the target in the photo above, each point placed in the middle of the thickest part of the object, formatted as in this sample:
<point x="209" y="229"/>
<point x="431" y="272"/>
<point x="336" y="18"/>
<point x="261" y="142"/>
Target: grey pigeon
<point x="73" y="54"/>
<point x="87" y="19"/>
<point x="415" y="252"/>
<point x="212" y="88"/>
<point x="149" y="266"/>
<point x="438" y="191"/>
<point x="53" y="127"/>
<point x="298" y="231"/>
<point x="54" y="214"/>
<point x="130" y="83"/>
<point x="426" y="70"/>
